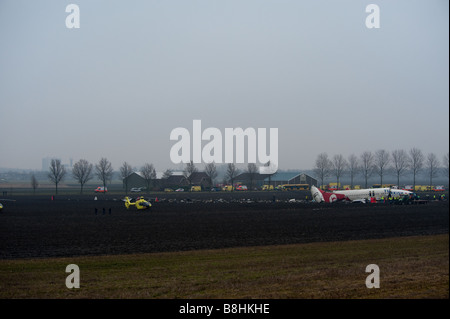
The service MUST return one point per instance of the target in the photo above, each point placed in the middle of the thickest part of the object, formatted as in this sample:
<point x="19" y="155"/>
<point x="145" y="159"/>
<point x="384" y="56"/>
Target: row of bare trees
<point x="82" y="172"/>
<point x="381" y="163"/>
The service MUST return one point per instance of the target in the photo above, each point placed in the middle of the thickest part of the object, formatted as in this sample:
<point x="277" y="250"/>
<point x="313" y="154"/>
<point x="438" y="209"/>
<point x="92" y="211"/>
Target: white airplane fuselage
<point x="358" y="194"/>
<point x="377" y="193"/>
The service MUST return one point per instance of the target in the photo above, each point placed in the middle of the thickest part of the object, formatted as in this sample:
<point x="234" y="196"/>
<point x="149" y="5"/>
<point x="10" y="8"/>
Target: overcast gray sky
<point x="135" y="70"/>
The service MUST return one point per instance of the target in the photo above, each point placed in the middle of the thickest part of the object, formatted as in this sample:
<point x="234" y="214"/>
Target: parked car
<point x="101" y="189"/>
<point x="136" y="189"/>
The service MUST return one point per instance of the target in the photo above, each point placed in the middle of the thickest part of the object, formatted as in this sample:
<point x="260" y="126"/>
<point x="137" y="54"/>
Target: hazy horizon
<point x="117" y="86"/>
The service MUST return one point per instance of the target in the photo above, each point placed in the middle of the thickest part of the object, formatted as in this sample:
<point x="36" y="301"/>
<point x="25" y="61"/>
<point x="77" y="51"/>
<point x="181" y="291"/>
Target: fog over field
<point x="319" y="72"/>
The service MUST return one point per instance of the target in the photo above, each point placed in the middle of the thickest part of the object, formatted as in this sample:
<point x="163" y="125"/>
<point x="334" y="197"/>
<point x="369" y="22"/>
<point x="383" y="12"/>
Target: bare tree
<point x="367" y="164"/>
<point x="252" y="171"/>
<point x="445" y="162"/>
<point x="432" y="163"/>
<point x="268" y="164"/>
<point x="338" y="166"/>
<point x="382" y="160"/>
<point x="416" y="163"/>
<point x="322" y="167"/>
<point x="167" y="173"/>
<point x="57" y="172"/>
<point x="82" y="172"/>
<point x="165" y="177"/>
<point x="232" y="172"/>
<point x="125" y="171"/>
<point x="149" y="173"/>
<point x="211" y="171"/>
<point x="34" y="183"/>
<point x="400" y="163"/>
<point x="353" y="167"/>
<point x="104" y="171"/>
<point x="188" y="172"/>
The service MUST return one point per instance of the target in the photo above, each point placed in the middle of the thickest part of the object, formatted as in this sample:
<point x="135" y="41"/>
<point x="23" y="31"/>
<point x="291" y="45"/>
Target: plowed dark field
<point x="36" y="226"/>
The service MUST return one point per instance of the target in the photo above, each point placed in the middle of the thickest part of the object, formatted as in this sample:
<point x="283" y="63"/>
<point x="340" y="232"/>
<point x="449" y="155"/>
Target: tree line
<point x="83" y="171"/>
<point x="381" y="162"/>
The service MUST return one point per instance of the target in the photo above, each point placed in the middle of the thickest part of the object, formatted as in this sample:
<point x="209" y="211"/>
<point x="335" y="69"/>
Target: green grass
<point x="410" y="267"/>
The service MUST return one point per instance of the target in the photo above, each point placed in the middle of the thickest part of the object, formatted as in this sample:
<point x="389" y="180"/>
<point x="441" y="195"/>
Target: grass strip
<point x="410" y="268"/>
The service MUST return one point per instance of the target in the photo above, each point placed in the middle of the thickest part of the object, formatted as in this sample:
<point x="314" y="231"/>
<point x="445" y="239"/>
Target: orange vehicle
<point x="101" y="189"/>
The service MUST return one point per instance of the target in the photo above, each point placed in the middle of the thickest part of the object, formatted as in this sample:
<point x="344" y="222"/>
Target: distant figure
<point x="110" y="210"/>
<point x="95" y="210"/>
<point x="103" y="210"/>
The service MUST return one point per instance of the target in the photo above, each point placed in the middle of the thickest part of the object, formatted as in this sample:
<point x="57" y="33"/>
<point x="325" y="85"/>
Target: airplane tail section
<point x="322" y="196"/>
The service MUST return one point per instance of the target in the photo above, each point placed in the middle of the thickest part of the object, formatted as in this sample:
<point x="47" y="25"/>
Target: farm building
<point x="136" y="179"/>
<point x="251" y="180"/>
<point x="178" y="180"/>
<point x="283" y="178"/>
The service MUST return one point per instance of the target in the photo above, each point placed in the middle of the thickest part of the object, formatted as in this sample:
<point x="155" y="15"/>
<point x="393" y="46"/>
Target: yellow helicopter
<point x="140" y="203"/>
<point x="5" y="200"/>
